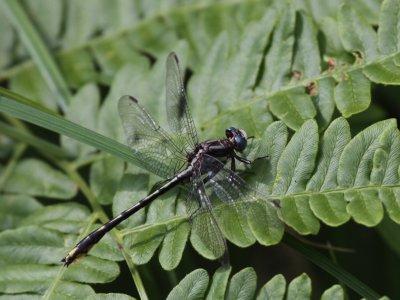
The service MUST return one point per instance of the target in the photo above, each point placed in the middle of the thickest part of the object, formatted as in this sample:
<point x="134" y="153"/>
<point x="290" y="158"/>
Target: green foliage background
<point x="314" y="81"/>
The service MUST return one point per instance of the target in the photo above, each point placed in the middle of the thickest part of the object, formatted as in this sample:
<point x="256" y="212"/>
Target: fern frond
<point x="281" y="70"/>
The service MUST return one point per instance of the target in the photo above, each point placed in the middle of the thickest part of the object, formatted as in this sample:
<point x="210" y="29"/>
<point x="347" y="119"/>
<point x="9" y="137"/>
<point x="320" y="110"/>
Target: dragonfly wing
<point x="206" y="236"/>
<point x="246" y="203"/>
<point x="227" y="185"/>
<point x="153" y="148"/>
<point x="179" y="117"/>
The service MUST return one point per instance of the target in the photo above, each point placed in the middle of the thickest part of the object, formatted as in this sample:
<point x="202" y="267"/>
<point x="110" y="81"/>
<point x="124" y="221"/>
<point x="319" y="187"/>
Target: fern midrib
<point x="221" y="206"/>
<point x="300" y="84"/>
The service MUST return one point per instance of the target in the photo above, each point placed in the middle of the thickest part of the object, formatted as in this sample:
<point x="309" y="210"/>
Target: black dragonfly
<point x="180" y="159"/>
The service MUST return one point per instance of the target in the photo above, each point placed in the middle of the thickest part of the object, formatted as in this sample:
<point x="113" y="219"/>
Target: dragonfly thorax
<point x="236" y="140"/>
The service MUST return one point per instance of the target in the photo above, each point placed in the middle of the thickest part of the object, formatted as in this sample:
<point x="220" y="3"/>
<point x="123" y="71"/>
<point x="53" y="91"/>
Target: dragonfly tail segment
<point x="73" y="255"/>
<point x="91" y="239"/>
<point x="86" y="244"/>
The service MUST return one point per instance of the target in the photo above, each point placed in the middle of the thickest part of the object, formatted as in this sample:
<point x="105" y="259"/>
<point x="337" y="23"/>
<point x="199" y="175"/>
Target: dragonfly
<point x="179" y="158"/>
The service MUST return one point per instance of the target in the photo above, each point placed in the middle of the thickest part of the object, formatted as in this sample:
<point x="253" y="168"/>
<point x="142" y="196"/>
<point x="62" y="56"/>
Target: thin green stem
<point x="38" y="51"/>
<point x="332" y="254"/>
<point x="84" y="188"/>
<point x="135" y="275"/>
<point x="103" y="217"/>
<point x="88" y="159"/>
<point x="38" y="143"/>
<point x="5" y="173"/>
<point x="62" y="269"/>
<point x="330" y="267"/>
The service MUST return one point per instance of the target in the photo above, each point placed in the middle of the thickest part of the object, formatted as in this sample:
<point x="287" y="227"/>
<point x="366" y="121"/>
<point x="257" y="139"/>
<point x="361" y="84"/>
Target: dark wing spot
<point x="136" y="139"/>
<point x="175" y="57"/>
<point x="133" y="99"/>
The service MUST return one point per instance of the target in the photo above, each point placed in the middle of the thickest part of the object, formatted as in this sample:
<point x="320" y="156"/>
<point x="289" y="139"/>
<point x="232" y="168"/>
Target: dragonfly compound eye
<point x="230" y="132"/>
<point x="240" y="142"/>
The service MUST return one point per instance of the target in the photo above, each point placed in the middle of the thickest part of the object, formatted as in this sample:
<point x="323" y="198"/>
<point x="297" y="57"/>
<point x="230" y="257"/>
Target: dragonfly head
<point x="238" y="137"/>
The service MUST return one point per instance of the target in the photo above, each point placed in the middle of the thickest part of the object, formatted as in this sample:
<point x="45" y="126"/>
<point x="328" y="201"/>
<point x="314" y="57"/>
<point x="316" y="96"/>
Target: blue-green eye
<point x="230" y="132"/>
<point x="240" y="142"/>
<point x="239" y="137"/>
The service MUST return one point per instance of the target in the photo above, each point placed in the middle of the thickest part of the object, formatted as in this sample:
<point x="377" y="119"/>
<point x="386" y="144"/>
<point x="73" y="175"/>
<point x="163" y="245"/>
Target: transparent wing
<point x="233" y="190"/>
<point x="250" y="205"/>
<point x="206" y="234"/>
<point x="227" y="185"/>
<point x="154" y="149"/>
<point x="179" y="117"/>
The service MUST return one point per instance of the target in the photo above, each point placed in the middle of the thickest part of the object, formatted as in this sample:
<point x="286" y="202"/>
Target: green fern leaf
<point x="242" y="285"/>
<point x="36" y="178"/>
<point x="275" y="288"/>
<point x="219" y="283"/>
<point x="299" y="288"/>
<point x="193" y="286"/>
<point x="14" y="208"/>
<point x="334" y="292"/>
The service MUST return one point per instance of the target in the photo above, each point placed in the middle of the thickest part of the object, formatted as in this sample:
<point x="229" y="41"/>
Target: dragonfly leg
<point x="233" y="164"/>
<point x="248" y="161"/>
<point x="242" y="159"/>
